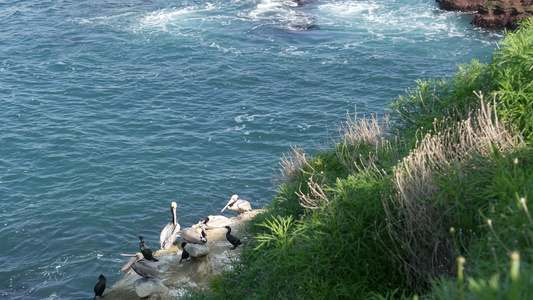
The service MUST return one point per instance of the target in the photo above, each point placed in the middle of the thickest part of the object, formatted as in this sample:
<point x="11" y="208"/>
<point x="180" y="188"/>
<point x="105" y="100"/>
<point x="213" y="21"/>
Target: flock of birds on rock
<point x="141" y="262"/>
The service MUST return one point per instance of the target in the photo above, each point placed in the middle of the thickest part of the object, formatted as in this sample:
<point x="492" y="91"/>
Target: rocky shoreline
<point x="194" y="274"/>
<point x="497" y="14"/>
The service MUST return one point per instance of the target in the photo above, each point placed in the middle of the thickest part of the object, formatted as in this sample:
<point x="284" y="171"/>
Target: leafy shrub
<point x="513" y="78"/>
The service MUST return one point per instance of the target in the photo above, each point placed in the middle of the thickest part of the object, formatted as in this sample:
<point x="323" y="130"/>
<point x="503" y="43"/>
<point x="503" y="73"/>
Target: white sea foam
<point x="53" y="296"/>
<point x="304" y="126"/>
<point x="245" y="117"/>
<point x="295" y="51"/>
<point x="163" y="18"/>
<point x="345" y="8"/>
<point x="175" y="18"/>
<point x="281" y="14"/>
<point x="383" y="19"/>
<point x="225" y="49"/>
<point x="105" y="20"/>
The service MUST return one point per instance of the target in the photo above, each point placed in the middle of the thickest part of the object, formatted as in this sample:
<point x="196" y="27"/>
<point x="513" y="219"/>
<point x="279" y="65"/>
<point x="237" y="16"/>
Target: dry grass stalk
<point x="371" y="132"/>
<point x="414" y="219"/>
<point x="295" y="161"/>
<point x="315" y="197"/>
<point x="356" y="132"/>
<point x="290" y="163"/>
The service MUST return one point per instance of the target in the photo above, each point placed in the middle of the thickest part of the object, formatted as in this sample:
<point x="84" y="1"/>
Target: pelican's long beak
<point x="130" y="262"/>
<point x="173" y="207"/>
<point x="229" y="202"/>
<point x="174" y="221"/>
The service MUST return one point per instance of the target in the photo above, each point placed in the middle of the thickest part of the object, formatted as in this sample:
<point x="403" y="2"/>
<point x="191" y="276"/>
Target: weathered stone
<point x="502" y="14"/>
<point x="496" y="14"/>
<point x="460" y="5"/>
<point x="152" y="288"/>
<point x="197" y="250"/>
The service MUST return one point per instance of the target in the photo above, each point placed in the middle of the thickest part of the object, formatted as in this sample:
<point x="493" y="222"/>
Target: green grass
<point x="388" y="210"/>
<point x="508" y="80"/>
<point x="336" y="251"/>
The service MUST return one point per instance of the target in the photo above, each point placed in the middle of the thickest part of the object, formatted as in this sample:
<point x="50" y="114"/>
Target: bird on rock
<point x="146" y="251"/>
<point x="194" y="234"/>
<point x="184" y="253"/>
<point x="171" y="231"/>
<point x="213" y="222"/>
<point x="235" y="241"/>
<point x="237" y="205"/>
<point x="141" y="266"/>
<point x="99" y="287"/>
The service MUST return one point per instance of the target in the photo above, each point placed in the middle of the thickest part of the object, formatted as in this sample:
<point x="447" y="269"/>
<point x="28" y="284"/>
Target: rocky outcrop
<point x="178" y="278"/>
<point x="197" y="250"/>
<point x="502" y="14"/>
<point x="497" y="14"/>
<point x="460" y="5"/>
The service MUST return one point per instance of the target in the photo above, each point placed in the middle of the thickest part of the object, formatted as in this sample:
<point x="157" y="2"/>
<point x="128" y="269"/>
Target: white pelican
<point x="171" y="232"/>
<point x="237" y="205"/>
<point x="211" y="222"/>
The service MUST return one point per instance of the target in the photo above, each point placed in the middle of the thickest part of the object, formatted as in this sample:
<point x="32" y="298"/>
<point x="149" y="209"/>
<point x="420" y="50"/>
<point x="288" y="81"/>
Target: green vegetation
<point x="431" y="203"/>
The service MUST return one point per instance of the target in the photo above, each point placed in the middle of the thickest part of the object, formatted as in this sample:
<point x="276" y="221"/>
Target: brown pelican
<point x="184" y="253"/>
<point x="146" y="251"/>
<point x="171" y="231"/>
<point x="211" y="222"/>
<point x="235" y="241"/>
<point x="237" y="205"/>
<point x="99" y="287"/>
<point x="141" y="266"/>
<point x="194" y="234"/>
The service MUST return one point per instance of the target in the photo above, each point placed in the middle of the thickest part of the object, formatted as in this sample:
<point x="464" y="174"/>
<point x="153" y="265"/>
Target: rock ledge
<point x="194" y="273"/>
<point x="496" y="14"/>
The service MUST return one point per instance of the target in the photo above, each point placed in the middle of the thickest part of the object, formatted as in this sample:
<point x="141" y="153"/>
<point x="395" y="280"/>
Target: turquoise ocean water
<point x="112" y="109"/>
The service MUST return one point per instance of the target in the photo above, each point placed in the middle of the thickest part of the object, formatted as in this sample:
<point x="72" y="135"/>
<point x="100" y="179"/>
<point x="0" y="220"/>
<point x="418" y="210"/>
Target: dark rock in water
<point x="460" y="5"/>
<point x="304" y="27"/>
<point x="502" y="14"/>
<point x="497" y="14"/>
<point x="303" y="2"/>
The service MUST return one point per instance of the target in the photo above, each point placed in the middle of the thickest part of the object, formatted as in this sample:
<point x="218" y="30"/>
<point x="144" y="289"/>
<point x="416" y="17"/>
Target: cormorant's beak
<point x="129" y="263"/>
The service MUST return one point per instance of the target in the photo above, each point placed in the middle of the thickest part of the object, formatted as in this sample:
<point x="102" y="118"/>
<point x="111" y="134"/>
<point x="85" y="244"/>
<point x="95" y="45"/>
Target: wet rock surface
<point x="497" y="14"/>
<point x="194" y="273"/>
<point x="502" y="14"/>
<point x="460" y="5"/>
